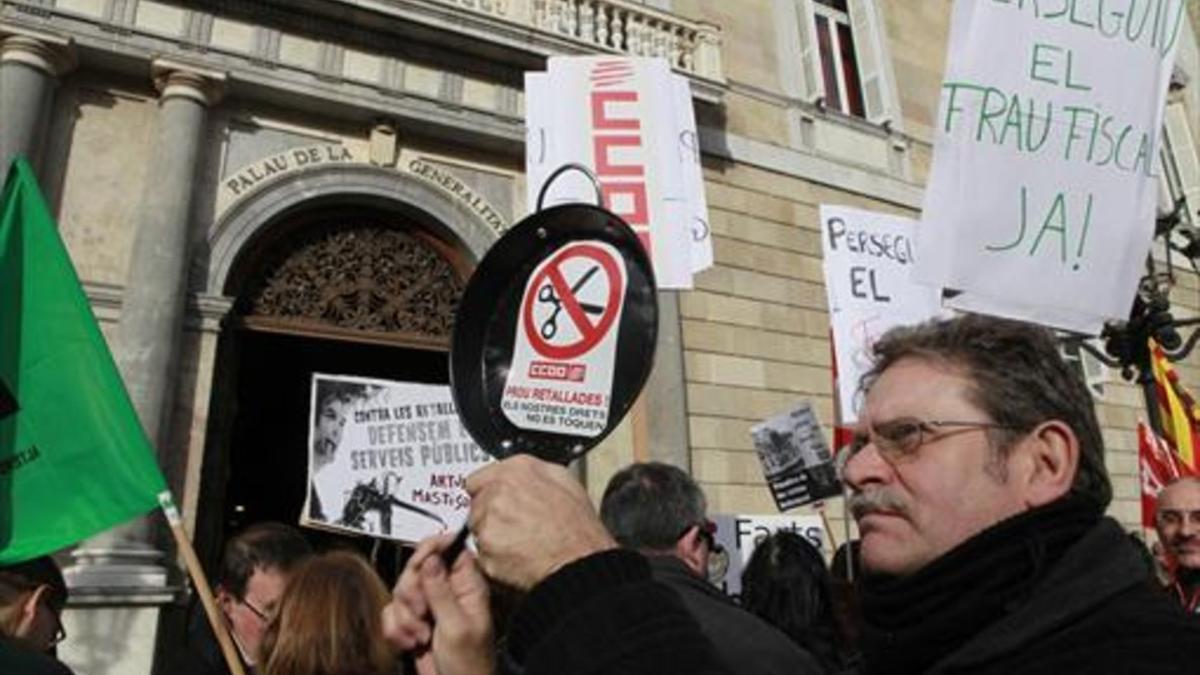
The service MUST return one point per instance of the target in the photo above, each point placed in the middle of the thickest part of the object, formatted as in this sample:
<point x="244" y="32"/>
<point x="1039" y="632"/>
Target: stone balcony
<point x="616" y="27"/>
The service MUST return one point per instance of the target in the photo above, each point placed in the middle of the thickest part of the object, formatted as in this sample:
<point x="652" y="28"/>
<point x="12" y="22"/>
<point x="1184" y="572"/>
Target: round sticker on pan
<point x="560" y="379"/>
<point x="555" y="334"/>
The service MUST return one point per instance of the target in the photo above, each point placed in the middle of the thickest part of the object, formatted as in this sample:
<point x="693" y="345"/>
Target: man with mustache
<point x="978" y="483"/>
<point x="1178" y="523"/>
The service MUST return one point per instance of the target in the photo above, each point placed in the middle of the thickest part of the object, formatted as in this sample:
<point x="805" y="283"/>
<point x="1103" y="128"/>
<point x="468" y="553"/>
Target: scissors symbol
<point x="547" y="295"/>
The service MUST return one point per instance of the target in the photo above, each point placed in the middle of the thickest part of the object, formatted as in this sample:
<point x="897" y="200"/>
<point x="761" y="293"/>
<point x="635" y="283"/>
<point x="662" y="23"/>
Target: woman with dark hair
<point x="787" y="584"/>
<point x="329" y="621"/>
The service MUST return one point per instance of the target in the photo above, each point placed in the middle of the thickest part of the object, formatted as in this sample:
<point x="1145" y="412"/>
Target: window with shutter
<point x="843" y="58"/>
<point x="838" y="56"/>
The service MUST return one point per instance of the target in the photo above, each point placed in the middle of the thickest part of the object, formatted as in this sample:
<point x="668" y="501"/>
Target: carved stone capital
<point x="174" y="78"/>
<point x="52" y="54"/>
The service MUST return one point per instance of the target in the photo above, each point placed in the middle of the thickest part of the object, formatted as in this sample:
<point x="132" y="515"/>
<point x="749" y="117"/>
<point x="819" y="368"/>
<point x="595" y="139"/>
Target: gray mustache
<point x="863" y="503"/>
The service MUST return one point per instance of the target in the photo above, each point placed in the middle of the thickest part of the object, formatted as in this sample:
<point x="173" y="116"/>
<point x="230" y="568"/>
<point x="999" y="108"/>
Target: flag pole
<point x="640" y="428"/>
<point x="833" y="543"/>
<point x="201" y="582"/>
<point x="837" y="449"/>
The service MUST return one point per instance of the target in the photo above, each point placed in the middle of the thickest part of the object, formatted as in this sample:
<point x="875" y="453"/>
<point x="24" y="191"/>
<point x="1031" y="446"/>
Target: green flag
<point x="74" y="459"/>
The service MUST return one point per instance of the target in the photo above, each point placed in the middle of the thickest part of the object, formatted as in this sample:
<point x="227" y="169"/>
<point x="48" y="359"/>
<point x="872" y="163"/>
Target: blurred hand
<point x="530" y="518"/>
<point x="444" y="619"/>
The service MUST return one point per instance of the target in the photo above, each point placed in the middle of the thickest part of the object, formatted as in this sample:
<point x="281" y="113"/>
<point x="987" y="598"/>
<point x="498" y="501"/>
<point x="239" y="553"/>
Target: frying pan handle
<point x="455" y="549"/>
<point x="563" y="169"/>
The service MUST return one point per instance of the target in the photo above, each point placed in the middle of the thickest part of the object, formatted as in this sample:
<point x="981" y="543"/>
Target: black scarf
<point x="909" y="623"/>
<point x="1187" y="589"/>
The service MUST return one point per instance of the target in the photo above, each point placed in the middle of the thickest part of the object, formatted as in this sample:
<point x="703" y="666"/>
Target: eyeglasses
<point x="898" y="439"/>
<point x="262" y="615"/>
<point x="60" y="632"/>
<point x="718" y="557"/>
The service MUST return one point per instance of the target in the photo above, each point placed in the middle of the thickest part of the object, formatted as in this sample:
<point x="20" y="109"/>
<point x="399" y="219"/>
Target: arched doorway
<point x="330" y="286"/>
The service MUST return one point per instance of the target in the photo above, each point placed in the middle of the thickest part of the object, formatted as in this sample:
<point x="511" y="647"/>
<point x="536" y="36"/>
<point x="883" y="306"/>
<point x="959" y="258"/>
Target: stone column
<point x="30" y="65"/>
<point x="126" y="562"/>
<point x="150" y="327"/>
<point x="119" y="581"/>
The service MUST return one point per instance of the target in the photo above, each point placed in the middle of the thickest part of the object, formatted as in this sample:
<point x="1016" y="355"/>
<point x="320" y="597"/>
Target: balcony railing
<point x="615" y="26"/>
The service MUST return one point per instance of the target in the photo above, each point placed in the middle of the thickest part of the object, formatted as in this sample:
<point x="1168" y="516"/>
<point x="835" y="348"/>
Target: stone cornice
<point x="248" y="76"/>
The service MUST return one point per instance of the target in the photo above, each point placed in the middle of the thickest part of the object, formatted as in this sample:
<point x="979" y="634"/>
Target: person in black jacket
<point x="978" y="483"/>
<point x="659" y="511"/>
<point x="591" y="608"/>
<point x="979" y="488"/>
<point x="787" y="584"/>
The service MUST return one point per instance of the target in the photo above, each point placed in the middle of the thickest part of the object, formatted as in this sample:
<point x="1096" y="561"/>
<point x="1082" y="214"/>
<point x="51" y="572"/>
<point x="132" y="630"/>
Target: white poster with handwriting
<point x="1040" y="203"/>
<point x="868" y="261"/>
<point x="387" y="459"/>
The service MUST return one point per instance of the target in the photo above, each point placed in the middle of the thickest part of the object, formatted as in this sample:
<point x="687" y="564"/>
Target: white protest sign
<point x="692" y="177"/>
<point x="796" y="458"/>
<point x="741" y="533"/>
<point x="630" y="121"/>
<point x="387" y="459"/>
<point x="1040" y="204"/>
<point x="868" y="259"/>
<point x="561" y="373"/>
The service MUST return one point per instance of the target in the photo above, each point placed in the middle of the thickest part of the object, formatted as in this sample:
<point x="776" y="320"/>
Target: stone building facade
<point x="255" y="190"/>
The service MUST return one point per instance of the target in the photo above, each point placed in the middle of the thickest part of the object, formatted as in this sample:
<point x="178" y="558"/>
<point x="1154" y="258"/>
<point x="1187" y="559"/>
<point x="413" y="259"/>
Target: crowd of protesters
<point x="977" y="482"/>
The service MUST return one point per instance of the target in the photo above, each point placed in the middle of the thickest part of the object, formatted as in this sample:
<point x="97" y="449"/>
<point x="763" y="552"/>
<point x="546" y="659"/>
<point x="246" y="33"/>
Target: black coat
<point x="15" y="660"/>
<point x="1093" y="612"/>
<point x="745" y="643"/>
<point x="605" y="615"/>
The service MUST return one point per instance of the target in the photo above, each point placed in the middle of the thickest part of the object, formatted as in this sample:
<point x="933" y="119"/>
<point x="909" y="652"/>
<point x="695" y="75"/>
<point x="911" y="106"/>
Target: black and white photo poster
<point x="387" y="459"/>
<point x="796" y="458"/>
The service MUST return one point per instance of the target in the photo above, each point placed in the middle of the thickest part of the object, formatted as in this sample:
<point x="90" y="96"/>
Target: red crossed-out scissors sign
<point x="567" y="327"/>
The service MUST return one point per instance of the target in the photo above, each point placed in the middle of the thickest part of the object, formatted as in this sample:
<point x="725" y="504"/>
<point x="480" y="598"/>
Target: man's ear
<point x="1049" y="462"/>
<point x="29" y="610"/>
<point x="690" y="549"/>
<point x="224" y="599"/>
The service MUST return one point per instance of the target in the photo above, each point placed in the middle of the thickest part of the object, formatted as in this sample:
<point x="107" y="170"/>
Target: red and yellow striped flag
<point x="1177" y="410"/>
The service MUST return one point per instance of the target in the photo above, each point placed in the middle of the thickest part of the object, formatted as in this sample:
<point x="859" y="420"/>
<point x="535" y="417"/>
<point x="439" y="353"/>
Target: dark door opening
<point x="268" y="439"/>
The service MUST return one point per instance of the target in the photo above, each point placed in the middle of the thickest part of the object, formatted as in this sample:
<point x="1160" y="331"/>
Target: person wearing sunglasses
<point x="32" y="598"/>
<point x="978" y="483"/>
<point x="659" y="511"/>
